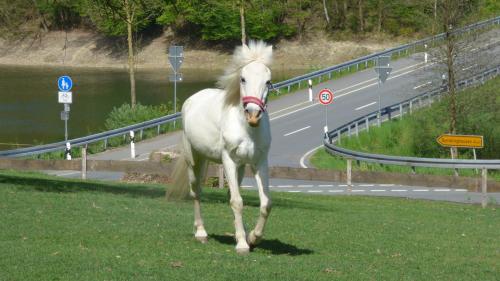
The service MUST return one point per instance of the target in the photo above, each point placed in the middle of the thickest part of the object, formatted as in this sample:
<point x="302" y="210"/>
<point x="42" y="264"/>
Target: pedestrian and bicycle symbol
<point x="64" y="83"/>
<point x="325" y="96"/>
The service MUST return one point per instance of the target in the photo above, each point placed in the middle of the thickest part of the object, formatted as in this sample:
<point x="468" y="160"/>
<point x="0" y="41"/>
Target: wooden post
<point x="221" y="177"/>
<point x="484" y="187"/>
<point x="84" y="162"/>
<point x="349" y="175"/>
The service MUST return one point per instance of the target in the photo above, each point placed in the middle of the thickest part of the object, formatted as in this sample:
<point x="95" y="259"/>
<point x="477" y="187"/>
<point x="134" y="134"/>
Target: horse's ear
<point x="245" y="49"/>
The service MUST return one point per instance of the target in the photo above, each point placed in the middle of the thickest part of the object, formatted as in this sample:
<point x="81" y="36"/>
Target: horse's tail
<point x="180" y="175"/>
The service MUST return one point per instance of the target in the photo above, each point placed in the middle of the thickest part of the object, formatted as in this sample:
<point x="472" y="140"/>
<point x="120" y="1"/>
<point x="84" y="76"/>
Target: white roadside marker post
<point x="310" y="90"/>
<point x="132" y="145"/>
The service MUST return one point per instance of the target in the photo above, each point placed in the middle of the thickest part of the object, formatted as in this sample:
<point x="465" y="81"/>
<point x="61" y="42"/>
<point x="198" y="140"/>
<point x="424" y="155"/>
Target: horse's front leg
<point x="262" y="178"/>
<point x="231" y="169"/>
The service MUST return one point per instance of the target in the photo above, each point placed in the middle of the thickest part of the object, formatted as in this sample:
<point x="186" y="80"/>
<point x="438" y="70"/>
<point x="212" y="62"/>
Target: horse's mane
<point x="256" y="51"/>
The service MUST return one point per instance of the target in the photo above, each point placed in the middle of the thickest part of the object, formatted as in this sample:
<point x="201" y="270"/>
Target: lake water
<point x="30" y="112"/>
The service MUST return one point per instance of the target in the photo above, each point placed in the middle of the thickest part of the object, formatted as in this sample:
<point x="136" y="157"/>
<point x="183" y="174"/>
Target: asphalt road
<point x="297" y="124"/>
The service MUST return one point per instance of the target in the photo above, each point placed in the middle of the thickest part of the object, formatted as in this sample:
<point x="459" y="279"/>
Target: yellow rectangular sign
<point x="466" y="141"/>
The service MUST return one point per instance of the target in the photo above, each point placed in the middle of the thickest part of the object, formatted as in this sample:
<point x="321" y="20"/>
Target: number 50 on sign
<point x="325" y="96"/>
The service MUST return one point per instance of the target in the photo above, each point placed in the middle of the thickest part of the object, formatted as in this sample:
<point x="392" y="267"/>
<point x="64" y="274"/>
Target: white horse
<point x="229" y="126"/>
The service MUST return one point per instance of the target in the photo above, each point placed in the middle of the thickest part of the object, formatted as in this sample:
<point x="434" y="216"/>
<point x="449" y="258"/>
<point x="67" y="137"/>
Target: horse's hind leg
<point x="196" y="175"/>
<point x="262" y="179"/>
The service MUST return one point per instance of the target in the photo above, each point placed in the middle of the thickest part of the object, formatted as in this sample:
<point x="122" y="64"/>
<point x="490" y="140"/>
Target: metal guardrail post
<point x="367" y="124"/>
<point x="349" y="175"/>
<point x="484" y="187"/>
<point x="339" y="133"/>
<point x="357" y="129"/>
<point x="349" y="130"/>
<point x="401" y="111"/>
<point x="84" y="162"/>
<point x="221" y="177"/>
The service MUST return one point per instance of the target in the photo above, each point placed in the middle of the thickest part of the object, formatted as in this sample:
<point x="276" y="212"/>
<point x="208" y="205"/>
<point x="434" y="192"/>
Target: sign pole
<point x="326" y="116"/>
<point x="379" y="115"/>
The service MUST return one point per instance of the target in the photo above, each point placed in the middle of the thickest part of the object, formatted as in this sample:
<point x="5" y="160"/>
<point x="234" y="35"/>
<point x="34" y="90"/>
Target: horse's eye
<point x="243" y="80"/>
<point x="268" y="82"/>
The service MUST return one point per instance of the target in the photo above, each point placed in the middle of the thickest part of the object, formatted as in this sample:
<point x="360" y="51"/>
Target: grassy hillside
<point x="59" y="229"/>
<point x="415" y="135"/>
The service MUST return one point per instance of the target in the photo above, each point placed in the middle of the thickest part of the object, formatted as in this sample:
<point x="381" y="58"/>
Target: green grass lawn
<point x="60" y="229"/>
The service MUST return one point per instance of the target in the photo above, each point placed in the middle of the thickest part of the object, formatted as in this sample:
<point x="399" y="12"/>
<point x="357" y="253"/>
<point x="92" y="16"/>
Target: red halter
<point x="248" y="99"/>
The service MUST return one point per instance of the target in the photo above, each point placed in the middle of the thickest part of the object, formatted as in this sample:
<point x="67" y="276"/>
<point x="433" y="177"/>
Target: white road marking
<point x="366" y="185"/>
<point x="66" y="174"/>
<point x="342" y="185"/>
<point x="292" y="112"/>
<point x="303" y="158"/>
<point x="294" y="191"/>
<point x="420" y="190"/>
<point x="386" y="184"/>
<point x="399" y="190"/>
<point x="461" y="190"/>
<point x="336" y="190"/>
<point x="285" y="185"/>
<point x="441" y="189"/>
<point x="358" y="190"/>
<point x="314" y="191"/>
<point x="287" y="108"/>
<point x="304" y="185"/>
<point x="419" y="86"/>
<point x="247" y="186"/>
<point x="469" y="67"/>
<point x="296" y="131"/>
<point x="325" y="185"/>
<point x="378" y="190"/>
<point x="366" y="105"/>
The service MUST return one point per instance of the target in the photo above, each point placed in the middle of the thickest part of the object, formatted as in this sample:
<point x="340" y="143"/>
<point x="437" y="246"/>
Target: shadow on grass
<point x="67" y="186"/>
<point x="275" y="246"/>
<point x="211" y="196"/>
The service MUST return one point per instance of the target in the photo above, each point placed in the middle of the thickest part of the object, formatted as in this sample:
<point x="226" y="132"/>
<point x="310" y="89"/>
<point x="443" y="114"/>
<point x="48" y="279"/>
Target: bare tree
<point x="326" y="12"/>
<point x="361" y="16"/>
<point x="242" y="22"/>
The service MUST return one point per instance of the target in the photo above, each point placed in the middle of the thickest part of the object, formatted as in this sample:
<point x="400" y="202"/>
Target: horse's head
<point x="255" y="83"/>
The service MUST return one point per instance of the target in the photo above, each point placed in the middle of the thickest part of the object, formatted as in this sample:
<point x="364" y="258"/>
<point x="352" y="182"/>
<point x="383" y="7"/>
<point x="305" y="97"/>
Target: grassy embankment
<point x="415" y="135"/>
<point x="61" y="229"/>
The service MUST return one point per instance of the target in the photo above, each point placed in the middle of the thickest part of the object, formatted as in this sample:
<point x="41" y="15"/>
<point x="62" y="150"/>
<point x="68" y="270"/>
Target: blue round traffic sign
<point x="64" y="83"/>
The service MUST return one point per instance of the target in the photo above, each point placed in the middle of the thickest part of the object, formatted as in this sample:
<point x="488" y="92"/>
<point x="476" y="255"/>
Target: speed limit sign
<point x="325" y="96"/>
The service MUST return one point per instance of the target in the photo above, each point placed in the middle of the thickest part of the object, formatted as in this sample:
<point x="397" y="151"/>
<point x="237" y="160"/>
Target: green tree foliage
<point x="218" y="20"/>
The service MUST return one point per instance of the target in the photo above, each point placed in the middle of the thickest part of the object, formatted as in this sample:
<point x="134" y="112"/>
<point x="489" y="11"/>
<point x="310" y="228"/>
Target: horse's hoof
<point x="242" y="251"/>
<point x="253" y="239"/>
<point x="202" y="239"/>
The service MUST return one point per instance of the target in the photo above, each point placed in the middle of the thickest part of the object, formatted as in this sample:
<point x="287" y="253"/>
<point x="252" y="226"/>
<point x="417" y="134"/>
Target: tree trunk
<point x="130" y="19"/>
<point x="450" y="50"/>
<point x="326" y="13"/>
<point x="242" y="21"/>
<point x="360" y="14"/>
<point x="380" y="15"/>
<point x="435" y="17"/>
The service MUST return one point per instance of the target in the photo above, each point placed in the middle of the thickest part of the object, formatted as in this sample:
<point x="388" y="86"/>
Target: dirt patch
<point x="86" y="49"/>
